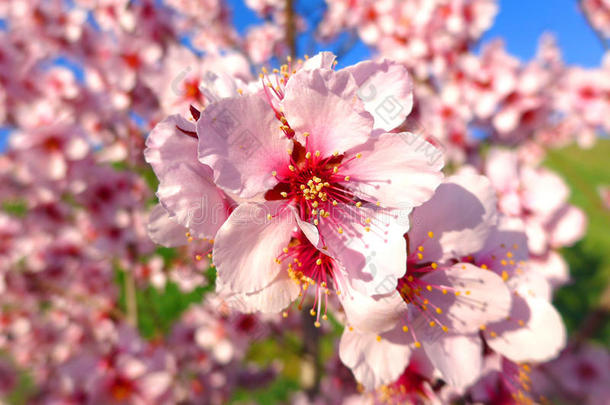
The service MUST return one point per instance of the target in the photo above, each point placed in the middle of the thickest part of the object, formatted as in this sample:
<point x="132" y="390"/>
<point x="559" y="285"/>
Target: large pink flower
<point x="442" y="300"/>
<point x="308" y="149"/>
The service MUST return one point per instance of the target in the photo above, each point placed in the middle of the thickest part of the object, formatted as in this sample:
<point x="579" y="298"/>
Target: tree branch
<point x="291" y="28"/>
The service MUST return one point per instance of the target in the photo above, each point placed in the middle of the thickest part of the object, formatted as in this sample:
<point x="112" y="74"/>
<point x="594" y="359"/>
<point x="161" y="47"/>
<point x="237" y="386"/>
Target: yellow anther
<point x="444" y="291"/>
<point x="445" y="329"/>
<point x="291" y="167"/>
<point x="274" y="173"/>
<point x="269" y="217"/>
<point x="358" y="204"/>
<point x="198" y="257"/>
<point x="319" y="262"/>
<point x="484" y="267"/>
<point x="378" y="338"/>
<point x="434" y="265"/>
<point x="316" y="324"/>
<point x="420" y="256"/>
<point x="405" y="328"/>
<point x="285" y="314"/>
<point x="504" y="275"/>
<point x="317" y="153"/>
<point x="312" y="312"/>
<point x="421" y="248"/>
<point x="285" y="250"/>
<point x="431" y="234"/>
<point x="307" y="155"/>
<point x="417" y="344"/>
<point x="432" y="323"/>
<point x="347" y="178"/>
<point x="284" y="194"/>
<point x="305" y="134"/>
<point x="439" y="311"/>
<point x="340" y="230"/>
<point x="429" y="287"/>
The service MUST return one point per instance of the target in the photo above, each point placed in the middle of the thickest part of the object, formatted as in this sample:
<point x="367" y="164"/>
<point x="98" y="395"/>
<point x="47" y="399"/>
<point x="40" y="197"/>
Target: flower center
<point x="309" y="267"/>
<point x="313" y="183"/>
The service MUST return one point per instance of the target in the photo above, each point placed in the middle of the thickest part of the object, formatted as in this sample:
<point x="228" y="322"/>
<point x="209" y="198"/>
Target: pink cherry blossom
<point x="285" y="149"/>
<point x="437" y="304"/>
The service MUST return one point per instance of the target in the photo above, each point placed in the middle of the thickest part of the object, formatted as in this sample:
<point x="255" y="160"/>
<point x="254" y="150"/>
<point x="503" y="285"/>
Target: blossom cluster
<point x="147" y="158"/>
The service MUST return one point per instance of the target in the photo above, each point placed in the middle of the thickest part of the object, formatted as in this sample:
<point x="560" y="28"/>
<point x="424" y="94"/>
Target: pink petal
<point x="373" y="362"/>
<point x="240" y="139"/>
<point x="541" y="337"/>
<point x="460" y="215"/>
<point x="567" y="227"/>
<point x="543" y="191"/>
<point x="270" y="299"/>
<point x="164" y="230"/>
<point x="502" y="170"/>
<point x="248" y="243"/>
<point x="553" y="267"/>
<point x="322" y="60"/>
<point x="188" y="194"/>
<point x="537" y="237"/>
<point x="167" y="145"/>
<point x="375" y="315"/>
<point x="386" y="90"/>
<point x="458" y="358"/>
<point x="373" y="260"/>
<point x="475" y="297"/>
<point x="323" y="103"/>
<point x="530" y="283"/>
<point x="397" y="170"/>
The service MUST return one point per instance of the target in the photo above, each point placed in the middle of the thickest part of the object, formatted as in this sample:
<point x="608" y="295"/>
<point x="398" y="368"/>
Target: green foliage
<point x="22" y="391"/>
<point x="585" y="170"/>
<point x="157" y="309"/>
<point x="16" y="207"/>
<point x="278" y="391"/>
